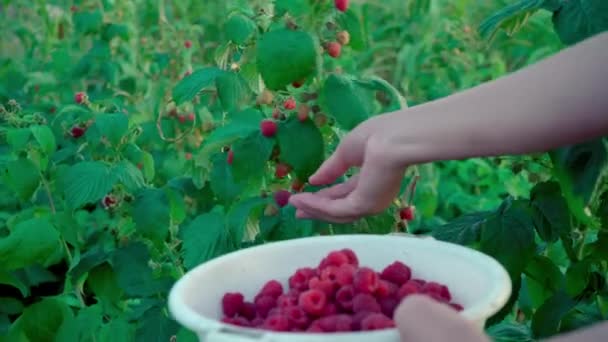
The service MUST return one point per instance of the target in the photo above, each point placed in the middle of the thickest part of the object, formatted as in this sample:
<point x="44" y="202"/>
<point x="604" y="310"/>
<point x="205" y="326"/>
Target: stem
<point x="45" y="183"/>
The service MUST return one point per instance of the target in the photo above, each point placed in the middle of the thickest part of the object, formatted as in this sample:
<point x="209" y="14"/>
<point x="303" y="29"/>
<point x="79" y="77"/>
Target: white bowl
<point x="476" y="281"/>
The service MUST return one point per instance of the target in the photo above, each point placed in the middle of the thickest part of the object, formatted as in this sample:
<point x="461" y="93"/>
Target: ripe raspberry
<point x="297" y="185"/>
<point x="276" y="323"/>
<point x="290" y="104"/>
<point x="80" y="97"/>
<point x="268" y="128"/>
<point x="181" y="118"/>
<point x="247" y="310"/>
<point x="73" y="9"/>
<point x="312" y="301"/>
<point x="365" y="302"/>
<point x="388" y="305"/>
<point x="329" y="310"/>
<point x="303" y="112"/>
<point x="441" y="292"/>
<point x="109" y="201"/>
<point x="334" y="49"/>
<point x="376" y="322"/>
<point x="365" y="280"/>
<point x="344" y="297"/>
<point x="343" y="37"/>
<point x="336" y="323"/>
<point x="329" y="273"/>
<point x="232" y="303"/>
<point x="352" y="257"/>
<point x="315" y="327"/>
<point x="407" y="289"/>
<point x="77" y="131"/>
<point x="397" y="273"/>
<point x="345" y="274"/>
<point x="456" y="306"/>
<point x="298" y="84"/>
<point x="257" y="322"/>
<point x="406" y="213"/>
<point x="272" y="288"/>
<point x="187" y="73"/>
<point x="335" y="258"/>
<point x="281" y="197"/>
<point x="276" y="114"/>
<point x="281" y="170"/>
<point x="296" y="316"/>
<point x="358" y="317"/>
<point x="238" y="321"/>
<point x="327" y="286"/>
<point x="188" y="155"/>
<point x="341" y="5"/>
<point x="299" y="280"/>
<point x="230" y="157"/>
<point x="286" y="300"/>
<point x="190" y="117"/>
<point x="264" y="304"/>
<point x="386" y="289"/>
<point x="187" y="44"/>
<point x="420" y="282"/>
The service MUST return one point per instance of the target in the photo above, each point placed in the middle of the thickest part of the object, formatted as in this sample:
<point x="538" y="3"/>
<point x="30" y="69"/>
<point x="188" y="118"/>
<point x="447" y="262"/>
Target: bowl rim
<point x="487" y="306"/>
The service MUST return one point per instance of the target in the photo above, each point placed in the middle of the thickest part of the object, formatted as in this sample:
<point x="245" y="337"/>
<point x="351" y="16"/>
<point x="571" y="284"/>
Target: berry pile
<point x="336" y="296"/>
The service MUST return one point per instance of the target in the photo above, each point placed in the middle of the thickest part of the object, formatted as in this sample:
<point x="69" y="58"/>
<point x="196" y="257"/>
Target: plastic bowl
<point x="476" y="281"/>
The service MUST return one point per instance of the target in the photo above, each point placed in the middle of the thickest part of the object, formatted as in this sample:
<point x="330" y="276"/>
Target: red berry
<point x="187" y="73"/>
<point x="344" y="297"/>
<point x="408" y="288"/>
<point x="312" y="301"/>
<point x="397" y="273"/>
<point x="52" y="110"/>
<point x="286" y="300"/>
<point x="329" y="310"/>
<point x="358" y="317"/>
<point x="297" y="185"/>
<point x="276" y="323"/>
<point x="77" y="131"/>
<point x="238" y="321"/>
<point x="365" y="302"/>
<point x="376" y="322"/>
<point x="276" y="114"/>
<point x="80" y="97"/>
<point x="188" y="156"/>
<point x="73" y="9"/>
<point x="315" y="327"/>
<point x="341" y="5"/>
<point x="329" y="273"/>
<point x="190" y="117"/>
<point x="352" y="257"/>
<point x="386" y="289"/>
<point x="187" y="44"/>
<point x="299" y="280"/>
<point x="281" y="197"/>
<point x="248" y="310"/>
<point x="345" y="274"/>
<point x="336" y="323"/>
<point x="257" y="322"/>
<point x="272" y="288"/>
<point x="290" y="104"/>
<point x="232" y="303"/>
<point x="327" y="286"/>
<point x="388" y="305"/>
<point x="298" y="84"/>
<point x="334" y="49"/>
<point x="420" y="282"/>
<point x="181" y="118"/>
<point x="296" y="316"/>
<point x="335" y="258"/>
<point x="230" y="157"/>
<point x="282" y="170"/>
<point x="440" y="291"/>
<point x="365" y="280"/>
<point x="456" y="306"/>
<point x="268" y="128"/>
<point x="108" y="201"/>
<point x="407" y="213"/>
<point x="264" y="304"/>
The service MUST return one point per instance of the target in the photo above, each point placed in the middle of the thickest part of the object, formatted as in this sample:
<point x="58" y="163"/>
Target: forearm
<point x="560" y="101"/>
<point x="595" y="333"/>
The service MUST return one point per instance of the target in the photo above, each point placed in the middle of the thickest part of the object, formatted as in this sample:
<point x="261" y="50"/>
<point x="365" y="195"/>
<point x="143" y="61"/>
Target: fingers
<point x="420" y="318"/>
<point x="334" y="167"/>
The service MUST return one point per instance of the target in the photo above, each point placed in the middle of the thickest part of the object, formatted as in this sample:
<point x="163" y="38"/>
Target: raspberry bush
<point x="141" y="138"/>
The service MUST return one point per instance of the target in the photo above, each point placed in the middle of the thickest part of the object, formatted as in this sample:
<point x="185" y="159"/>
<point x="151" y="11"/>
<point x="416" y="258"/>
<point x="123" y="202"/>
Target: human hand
<point x="420" y="319"/>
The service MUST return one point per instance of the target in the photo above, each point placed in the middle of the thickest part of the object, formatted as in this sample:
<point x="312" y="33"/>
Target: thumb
<point x="421" y="319"/>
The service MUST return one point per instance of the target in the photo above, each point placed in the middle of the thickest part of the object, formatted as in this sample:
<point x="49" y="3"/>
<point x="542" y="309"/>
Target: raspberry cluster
<point x="336" y="296"/>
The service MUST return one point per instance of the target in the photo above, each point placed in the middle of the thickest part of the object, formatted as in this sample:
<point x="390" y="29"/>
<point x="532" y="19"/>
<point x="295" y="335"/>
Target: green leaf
<point x="10" y="279"/>
<point x="580" y="19"/>
<point x="45" y="138"/>
<point x="83" y="327"/>
<point x="464" y="230"/>
<point x="508" y="236"/>
<point x="397" y="101"/>
<point x="547" y="318"/>
<point x="103" y="283"/>
<point x="151" y="213"/>
<point x="239" y="28"/>
<point x="289" y="227"/>
<point x="241" y="125"/>
<point x="302" y="146"/>
<point x="133" y="273"/>
<point x="148" y="166"/>
<point x="552" y="216"/>
<point x="203" y="239"/>
<point x="22" y="177"/>
<point x="349" y="103"/>
<point x="91" y="258"/>
<point x="232" y="90"/>
<point x="41" y="321"/>
<point x="239" y="214"/>
<point x="185" y="335"/>
<point x="250" y="157"/>
<point x="112" y="30"/>
<point x="542" y="271"/>
<point x="112" y="126"/>
<point x="510" y="332"/>
<point x="285" y="56"/>
<point x="354" y="24"/>
<point x="87" y="22"/>
<point x="11" y="306"/>
<point x="87" y="182"/>
<point x="222" y="180"/>
<point x="510" y="18"/>
<point x="155" y="326"/>
<point x="18" y="138"/>
<point x="128" y="175"/>
<point x="32" y="241"/>
<point x="577" y="278"/>
<point x="295" y="8"/>
<point x="187" y="88"/>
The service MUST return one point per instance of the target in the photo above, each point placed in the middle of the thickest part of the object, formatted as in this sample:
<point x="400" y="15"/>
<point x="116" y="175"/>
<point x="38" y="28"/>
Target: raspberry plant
<point x="131" y="150"/>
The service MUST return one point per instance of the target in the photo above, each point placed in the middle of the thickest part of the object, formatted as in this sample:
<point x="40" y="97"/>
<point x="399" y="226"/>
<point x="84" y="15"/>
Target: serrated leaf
<point x="112" y="126"/>
<point x="45" y="138"/>
<point x="22" y="177"/>
<point x="295" y="8"/>
<point x="250" y="157"/>
<point x="222" y="180"/>
<point x="285" y="56"/>
<point x="552" y="217"/>
<point x="239" y="28"/>
<point x="510" y="332"/>
<point x="547" y="317"/>
<point x="32" y="241"/>
<point x="302" y="146"/>
<point x="349" y="103"/>
<point x="38" y="325"/>
<point x="187" y="88"/>
<point x="133" y="273"/>
<point x="151" y="213"/>
<point x="508" y="236"/>
<point x="544" y="273"/>
<point x="128" y="175"/>
<point x="88" y="260"/>
<point x="241" y="124"/>
<point x="18" y="138"/>
<point x="155" y="326"/>
<point x="232" y="90"/>
<point x="203" y="239"/>
<point x="239" y="214"/>
<point x="510" y="18"/>
<point x="463" y="230"/>
<point x="87" y="182"/>
<point x="83" y="327"/>
<point x="87" y="22"/>
<point x="103" y="283"/>
<point x="581" y="19"/>
<point x="289" y="227"/>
